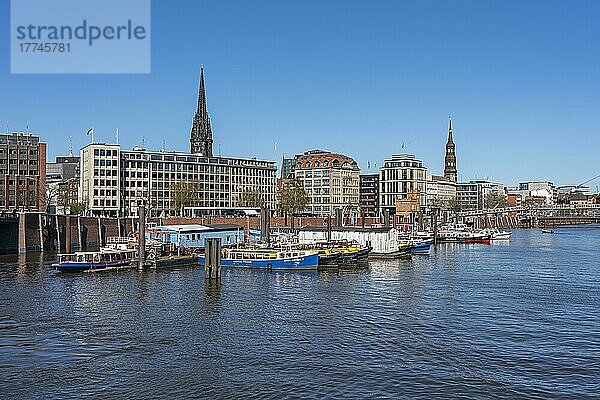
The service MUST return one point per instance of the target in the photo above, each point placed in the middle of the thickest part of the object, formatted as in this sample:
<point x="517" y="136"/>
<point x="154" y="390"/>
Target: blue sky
<point x="520" y="79"/>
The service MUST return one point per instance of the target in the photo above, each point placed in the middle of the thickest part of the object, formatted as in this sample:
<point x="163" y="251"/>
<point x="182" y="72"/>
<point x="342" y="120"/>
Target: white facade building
<point x="441" y="192"/>
<point x="115" y="181"/>
<point x="398" y="176"/>
<point x="330" y="181"/>
<point x="472" y="195"/>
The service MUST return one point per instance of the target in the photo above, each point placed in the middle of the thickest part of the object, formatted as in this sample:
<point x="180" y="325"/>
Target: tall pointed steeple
<point x="450" y="171"/>
<point x="201" y="139"/>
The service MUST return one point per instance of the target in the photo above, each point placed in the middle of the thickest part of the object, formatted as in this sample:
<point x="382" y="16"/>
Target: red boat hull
<point x="484" y="241"/>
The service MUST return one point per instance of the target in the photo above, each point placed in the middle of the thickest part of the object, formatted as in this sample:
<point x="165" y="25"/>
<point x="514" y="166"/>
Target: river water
<point x="518" y="320"/>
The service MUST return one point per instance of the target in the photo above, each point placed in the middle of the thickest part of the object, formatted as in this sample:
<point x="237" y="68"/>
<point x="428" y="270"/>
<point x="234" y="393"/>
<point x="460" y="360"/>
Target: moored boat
<point x="496" y="235"/>
<point x="477" y="238"/>
<point x="328" y="256"/>
<point x="421" y="248"/>
<point x="290" y="259"/>
<point x="95" y="260"/>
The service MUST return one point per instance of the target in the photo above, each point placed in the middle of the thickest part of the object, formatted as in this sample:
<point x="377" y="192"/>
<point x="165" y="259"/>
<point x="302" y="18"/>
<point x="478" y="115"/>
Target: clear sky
<point x="521" y="80"/>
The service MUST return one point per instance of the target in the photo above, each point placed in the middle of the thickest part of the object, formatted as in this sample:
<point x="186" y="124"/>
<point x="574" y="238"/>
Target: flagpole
<point x="117" y="136"/>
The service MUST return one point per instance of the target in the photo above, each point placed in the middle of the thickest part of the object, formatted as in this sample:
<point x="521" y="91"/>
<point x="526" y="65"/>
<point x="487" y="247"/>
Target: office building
<point x="480" y="194"/>
<point x="114" y="181"/>
<point x="400" y="175"/>
<point x="441" y="192"/>
<point x="62" y="184"/>
<point x="330" y="180"/>
<point x="23" y="166"/>
<point x="369" y="195"/>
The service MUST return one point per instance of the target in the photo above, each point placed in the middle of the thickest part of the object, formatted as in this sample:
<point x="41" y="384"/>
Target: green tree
<point x="251" y="198"/>
<point x="78" y="208"/>
<point x="292" y="198"/>
<point x="184" y="194"/>
<point x="494" y="200"/>
<point x="453" y="204"/>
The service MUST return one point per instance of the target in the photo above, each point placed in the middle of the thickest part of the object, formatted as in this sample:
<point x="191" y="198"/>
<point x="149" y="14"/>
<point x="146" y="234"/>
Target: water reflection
<point x="515" y="320"/>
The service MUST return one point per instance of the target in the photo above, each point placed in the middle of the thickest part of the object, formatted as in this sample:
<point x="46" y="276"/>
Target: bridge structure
<point x="537" y="216"/>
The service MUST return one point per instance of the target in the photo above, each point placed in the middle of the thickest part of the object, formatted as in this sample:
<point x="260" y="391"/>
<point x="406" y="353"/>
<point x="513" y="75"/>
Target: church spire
<point x="450" y="171"/>
<point x="201" y="139"/>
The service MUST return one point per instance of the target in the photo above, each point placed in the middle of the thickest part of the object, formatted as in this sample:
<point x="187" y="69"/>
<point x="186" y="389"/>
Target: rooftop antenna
<point x="70" y="146"/>
<point x="163" y="146"/>
<point x="117" y="136"/>
<point x="219" y="149"/>
<point x="143" y="142"/>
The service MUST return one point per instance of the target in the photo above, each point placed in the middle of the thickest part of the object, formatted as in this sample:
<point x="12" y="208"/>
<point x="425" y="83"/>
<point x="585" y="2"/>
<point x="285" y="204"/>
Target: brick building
<point x="23" y="166"/>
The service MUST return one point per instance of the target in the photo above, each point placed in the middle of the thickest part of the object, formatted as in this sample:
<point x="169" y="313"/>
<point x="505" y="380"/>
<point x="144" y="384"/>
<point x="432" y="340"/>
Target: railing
<point x="529" y="210"/>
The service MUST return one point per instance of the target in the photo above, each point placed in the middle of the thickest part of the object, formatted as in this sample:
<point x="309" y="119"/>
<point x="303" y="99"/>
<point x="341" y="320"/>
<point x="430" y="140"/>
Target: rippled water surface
<point x="518" y="320"/>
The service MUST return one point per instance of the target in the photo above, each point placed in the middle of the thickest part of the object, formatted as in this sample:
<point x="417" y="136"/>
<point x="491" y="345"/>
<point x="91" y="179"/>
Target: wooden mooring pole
<point x="212" y="258"/>
<point x="435" y="226"/>
<point x="142" y="235"/>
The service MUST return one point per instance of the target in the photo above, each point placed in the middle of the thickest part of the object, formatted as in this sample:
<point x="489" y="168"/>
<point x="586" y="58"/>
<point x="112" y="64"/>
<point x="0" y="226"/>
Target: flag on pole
<point x="91" y="132"/>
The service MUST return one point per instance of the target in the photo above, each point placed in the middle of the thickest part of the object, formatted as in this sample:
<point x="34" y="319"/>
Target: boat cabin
<point x="194" y="236"/>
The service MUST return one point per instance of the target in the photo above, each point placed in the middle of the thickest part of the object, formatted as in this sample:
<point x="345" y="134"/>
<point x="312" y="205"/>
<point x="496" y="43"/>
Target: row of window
<point x="103" y="182"/>
<point x="103" y="192"/>
<point x="392" y="164"/>
<point x="105" y="202"/>
<point x="21" y="161"/>
<point x="23" y="152"/>
<point x="105" y="152"/>
<point x="20" y="172"/>
<point x="105" y="172"/>
<point x="105" y="163"/>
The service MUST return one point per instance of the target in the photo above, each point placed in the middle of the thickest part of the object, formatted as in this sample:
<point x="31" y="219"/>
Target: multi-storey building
<point x="330" y="180"/>
<point x="545" y="189"/>
<point x="441" y="192"/>
<point x="369" y="195"/>
<point x="474" y="194"/>
<point x="115" y="181"/>
<point x="62" y="184"/>
<point x="398" y="176"/>
<point x="23" y="166"/>
<point x="101" y="179"/>
<point x="287" y="167"/>
<point x="467" y="196"/>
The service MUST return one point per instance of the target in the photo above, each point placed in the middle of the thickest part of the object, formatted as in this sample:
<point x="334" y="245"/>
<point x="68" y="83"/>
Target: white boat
<point x="496" y="235"/>
<point x="103" y="259"/>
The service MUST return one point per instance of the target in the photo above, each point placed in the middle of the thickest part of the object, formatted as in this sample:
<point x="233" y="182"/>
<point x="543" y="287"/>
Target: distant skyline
<point x="520" y="80"/>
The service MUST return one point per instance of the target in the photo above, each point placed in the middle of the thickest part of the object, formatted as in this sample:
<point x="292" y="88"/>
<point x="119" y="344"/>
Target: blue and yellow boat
<point x="291" y="259"/>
